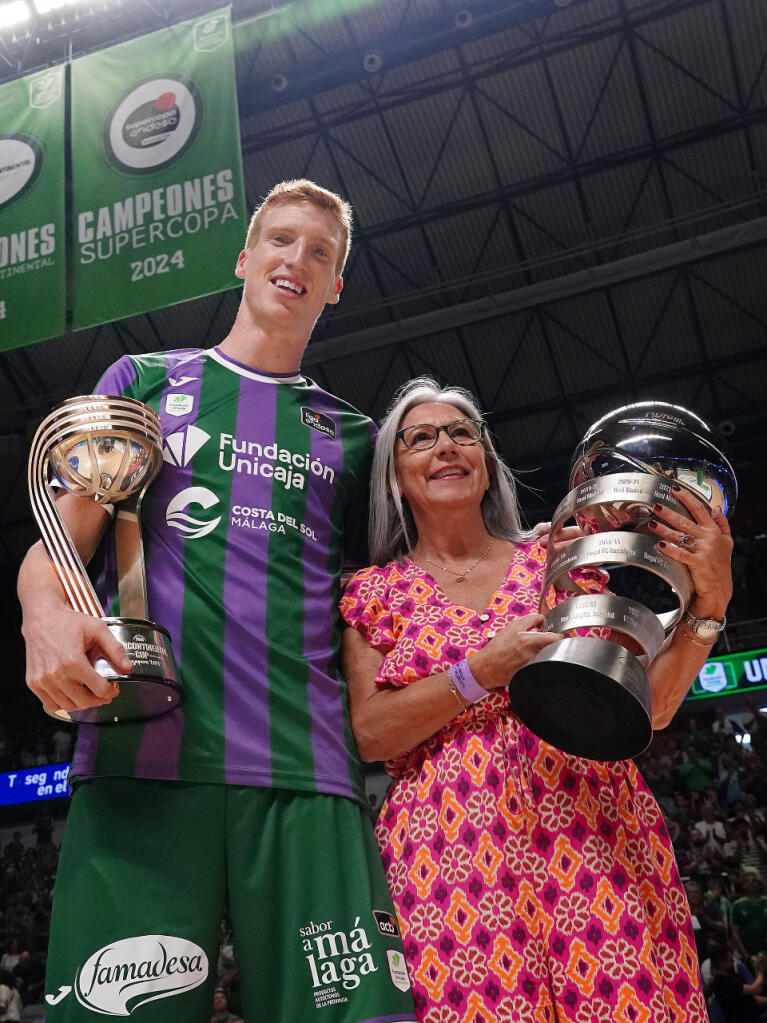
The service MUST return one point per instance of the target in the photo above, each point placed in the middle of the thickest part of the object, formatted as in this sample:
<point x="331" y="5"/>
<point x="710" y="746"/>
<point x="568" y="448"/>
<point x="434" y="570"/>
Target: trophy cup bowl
<point x="590" y="696"/>
<point x="107" y="449"/>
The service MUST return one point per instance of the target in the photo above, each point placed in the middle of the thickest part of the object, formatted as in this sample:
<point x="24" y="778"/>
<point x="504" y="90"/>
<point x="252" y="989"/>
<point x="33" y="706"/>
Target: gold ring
<point x="687" y="543"/>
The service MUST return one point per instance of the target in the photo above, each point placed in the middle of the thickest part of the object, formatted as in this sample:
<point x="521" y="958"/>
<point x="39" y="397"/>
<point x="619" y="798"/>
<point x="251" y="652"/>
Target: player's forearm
<point x="38" y="585"/>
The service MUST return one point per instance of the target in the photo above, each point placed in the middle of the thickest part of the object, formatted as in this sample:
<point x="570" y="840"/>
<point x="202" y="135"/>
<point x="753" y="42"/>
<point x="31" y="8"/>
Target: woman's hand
<point x="509" y="650"/>
<point x="560" y="540"/>
<point x="702" y="541"/>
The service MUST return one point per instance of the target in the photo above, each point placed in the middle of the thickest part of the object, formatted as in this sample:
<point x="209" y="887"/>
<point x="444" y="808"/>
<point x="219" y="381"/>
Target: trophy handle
<point x="61" y="550"/>
<point x="129" y="547"/>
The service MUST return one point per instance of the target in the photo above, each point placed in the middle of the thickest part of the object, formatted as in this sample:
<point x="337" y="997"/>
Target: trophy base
<point x="152" y="687"/>
<point x="587" y="697"/>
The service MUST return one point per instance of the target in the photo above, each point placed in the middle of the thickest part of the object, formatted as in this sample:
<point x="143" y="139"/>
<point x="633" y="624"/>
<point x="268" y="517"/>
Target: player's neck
<point x="269" y="351"/>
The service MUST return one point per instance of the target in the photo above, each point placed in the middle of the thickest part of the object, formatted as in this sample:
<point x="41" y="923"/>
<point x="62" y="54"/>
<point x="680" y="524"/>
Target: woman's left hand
<point x="702" y="541"/>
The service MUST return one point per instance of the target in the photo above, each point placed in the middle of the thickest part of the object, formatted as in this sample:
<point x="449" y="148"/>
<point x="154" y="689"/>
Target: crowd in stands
<point x="27" y="874"/>
<point x="711" y="785"/>
<point x="31" y="739"/>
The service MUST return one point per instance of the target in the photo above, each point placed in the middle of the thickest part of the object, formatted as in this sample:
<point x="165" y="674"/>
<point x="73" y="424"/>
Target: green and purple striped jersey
<point x="245" y="531"/>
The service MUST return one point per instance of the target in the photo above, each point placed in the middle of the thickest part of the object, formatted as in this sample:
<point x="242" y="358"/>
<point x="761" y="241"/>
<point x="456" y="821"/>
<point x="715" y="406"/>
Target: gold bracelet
<point x="457" y="695"/>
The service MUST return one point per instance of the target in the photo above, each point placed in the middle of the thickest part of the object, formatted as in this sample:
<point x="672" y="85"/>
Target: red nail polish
<point x="676" y="488"/>
<point x="653" y="523"/>
<point x="657" y="508"/>
<point x="661" y="544"/>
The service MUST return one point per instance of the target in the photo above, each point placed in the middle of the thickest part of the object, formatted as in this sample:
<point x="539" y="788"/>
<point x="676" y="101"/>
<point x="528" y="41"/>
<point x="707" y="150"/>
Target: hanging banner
<point x="158" y="201"/>
<point x="32" y="241"/>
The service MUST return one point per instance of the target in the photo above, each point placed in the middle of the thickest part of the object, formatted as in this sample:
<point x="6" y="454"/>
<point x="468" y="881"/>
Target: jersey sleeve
<point x="356" y="514"/>
<point x="365" y="607"/>
<point x="118" y="378"/>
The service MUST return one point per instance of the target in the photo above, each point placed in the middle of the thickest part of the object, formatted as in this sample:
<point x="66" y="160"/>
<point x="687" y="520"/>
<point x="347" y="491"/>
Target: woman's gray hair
<point x="392" y="528"/>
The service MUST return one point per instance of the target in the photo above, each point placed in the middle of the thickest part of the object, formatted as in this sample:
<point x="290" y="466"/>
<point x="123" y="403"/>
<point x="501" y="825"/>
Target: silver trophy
<point x="588" y="696"/>
<point x="107" y="449"/>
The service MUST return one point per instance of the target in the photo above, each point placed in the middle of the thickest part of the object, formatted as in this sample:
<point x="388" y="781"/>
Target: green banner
<point x="732" y="673"/>
<point x="158" y="201"/>
<point x="32" y="239"/>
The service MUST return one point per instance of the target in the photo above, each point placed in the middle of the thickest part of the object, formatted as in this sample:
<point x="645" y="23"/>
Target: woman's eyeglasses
<point x="424" y="435"/>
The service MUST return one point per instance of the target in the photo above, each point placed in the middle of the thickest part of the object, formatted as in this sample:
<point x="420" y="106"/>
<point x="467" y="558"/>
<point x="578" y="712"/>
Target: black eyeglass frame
<point x="400" y="434"/>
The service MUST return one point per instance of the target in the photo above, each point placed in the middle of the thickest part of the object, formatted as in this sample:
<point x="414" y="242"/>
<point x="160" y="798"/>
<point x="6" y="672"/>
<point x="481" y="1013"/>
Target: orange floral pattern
<point x="530" y="885"/>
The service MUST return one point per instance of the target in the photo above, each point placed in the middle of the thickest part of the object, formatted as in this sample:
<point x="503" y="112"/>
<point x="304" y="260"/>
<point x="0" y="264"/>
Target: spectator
<point x="706" y="929"/>
<point x="62" y="745"/>
<point x="29" y="977"/>
<point x="10" y="959"/>
<point x="43" y="828"/>
<point x="729" y="781"/>
<point x="221" y="1012"/>
<point x="696" y="772"/>
<point x="739" y="1002"/>
<point x="749" y="915"/>
<point x="708" y="861"/>
<point x="722" y="726"/>
<point x="712" y="829"/>
<point x="10" y="999"/>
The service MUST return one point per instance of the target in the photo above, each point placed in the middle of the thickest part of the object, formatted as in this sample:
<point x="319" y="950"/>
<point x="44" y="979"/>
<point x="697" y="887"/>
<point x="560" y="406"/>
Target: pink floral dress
<point x="530" y="885"/>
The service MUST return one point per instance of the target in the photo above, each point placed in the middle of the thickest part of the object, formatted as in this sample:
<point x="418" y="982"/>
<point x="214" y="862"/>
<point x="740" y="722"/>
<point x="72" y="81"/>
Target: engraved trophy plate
<point x="590" y="696"/>
<point x="107" y="449"/>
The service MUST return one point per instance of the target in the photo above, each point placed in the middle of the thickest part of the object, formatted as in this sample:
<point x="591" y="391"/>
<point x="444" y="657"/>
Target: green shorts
<point x="146" y="868"/>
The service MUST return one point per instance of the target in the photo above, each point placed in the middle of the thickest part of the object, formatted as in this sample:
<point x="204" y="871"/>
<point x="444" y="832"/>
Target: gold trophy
<point x="107" y="449"/>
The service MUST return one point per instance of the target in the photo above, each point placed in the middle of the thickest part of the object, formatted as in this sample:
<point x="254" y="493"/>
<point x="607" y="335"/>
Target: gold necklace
<point x="460" y="577"/>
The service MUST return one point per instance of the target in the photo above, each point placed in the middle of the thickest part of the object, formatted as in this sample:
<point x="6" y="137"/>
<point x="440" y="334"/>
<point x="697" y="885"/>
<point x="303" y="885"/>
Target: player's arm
<point x="63" y="644"/>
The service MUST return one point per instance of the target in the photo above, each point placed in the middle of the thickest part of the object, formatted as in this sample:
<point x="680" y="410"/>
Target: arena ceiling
<point x="560" y="204"/>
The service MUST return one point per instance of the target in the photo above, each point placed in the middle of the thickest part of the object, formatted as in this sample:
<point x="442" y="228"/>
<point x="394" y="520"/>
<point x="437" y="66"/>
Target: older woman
<point x="530" y="885"/>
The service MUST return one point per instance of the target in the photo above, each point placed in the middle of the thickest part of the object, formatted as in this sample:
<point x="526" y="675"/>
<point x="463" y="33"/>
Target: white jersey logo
<point x="180" y="448"/>
<point x="398" y="969"/>
<point x="179" y="404"/>
<point x="191" y="527"/>
<point x="180" y="381"/>
<point x="120" y="977"/>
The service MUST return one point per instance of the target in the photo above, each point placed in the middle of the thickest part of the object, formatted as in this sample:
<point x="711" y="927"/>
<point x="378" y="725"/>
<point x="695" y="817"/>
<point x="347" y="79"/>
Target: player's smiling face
<point x="290" y="270"/>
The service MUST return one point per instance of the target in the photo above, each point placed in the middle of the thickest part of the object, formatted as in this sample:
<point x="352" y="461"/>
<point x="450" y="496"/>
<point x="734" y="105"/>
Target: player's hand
<point x="62" y="647"/>
<point x="509" y="650"/>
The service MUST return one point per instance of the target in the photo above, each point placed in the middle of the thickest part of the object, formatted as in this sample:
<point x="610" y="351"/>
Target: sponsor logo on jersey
<point x="386" y="923"/>
<point x="153" y="123"/>
<point x="317" y="421"/>
<point x="120" y="977"/>
<point x="338" y="959"/>
<point x="398" y="970"/>
<point x="180" y="381"/>
<point x="177" y="517"/>
<point x="290" y="468"/>
<point x="179" y="404"/>
<point x="180" y="448"/>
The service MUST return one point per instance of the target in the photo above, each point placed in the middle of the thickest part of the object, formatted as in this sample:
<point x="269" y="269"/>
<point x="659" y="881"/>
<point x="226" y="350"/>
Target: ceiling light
<point x="372" y="61"/>
<point x="13" y="13"/>
<point x="46" y="6"/>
